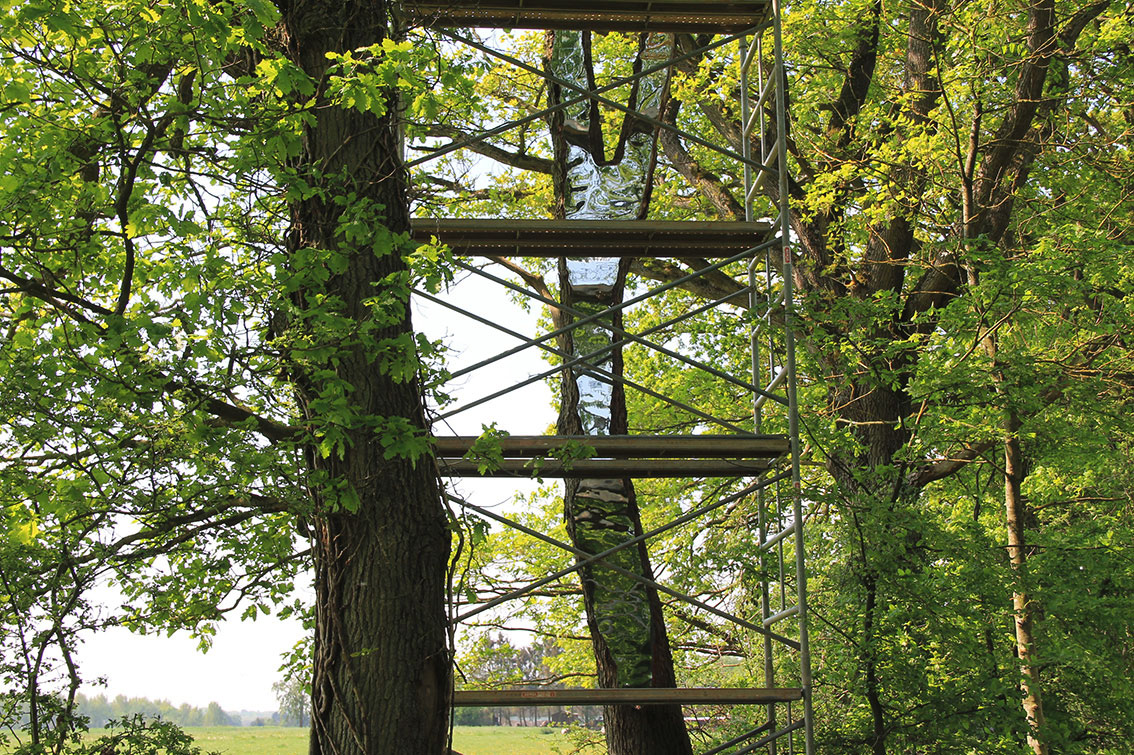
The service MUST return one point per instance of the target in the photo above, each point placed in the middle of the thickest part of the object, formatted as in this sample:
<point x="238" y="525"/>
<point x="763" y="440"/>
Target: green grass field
<point x="468" y="740"/>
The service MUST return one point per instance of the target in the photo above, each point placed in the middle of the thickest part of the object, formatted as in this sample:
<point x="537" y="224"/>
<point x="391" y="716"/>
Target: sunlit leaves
<point x="135" y="144"/>
<point x="284" y="78"/>
<point x="362" y="79"/>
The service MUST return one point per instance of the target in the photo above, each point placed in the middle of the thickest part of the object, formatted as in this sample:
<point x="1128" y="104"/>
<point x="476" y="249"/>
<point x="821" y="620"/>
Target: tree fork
<point x="627" y="629"/>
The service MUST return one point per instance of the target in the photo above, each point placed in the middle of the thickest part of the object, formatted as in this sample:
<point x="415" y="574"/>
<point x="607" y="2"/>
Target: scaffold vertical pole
<point x="784" y="224"/>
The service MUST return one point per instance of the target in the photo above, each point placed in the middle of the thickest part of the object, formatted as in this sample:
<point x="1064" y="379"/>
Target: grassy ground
<point x="468" y="740"/>
<point x="248" y="740"/>
<point x="505" y="740"/>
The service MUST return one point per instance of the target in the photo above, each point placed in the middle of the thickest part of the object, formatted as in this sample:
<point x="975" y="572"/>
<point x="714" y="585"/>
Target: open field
<point x="468" y="740"/>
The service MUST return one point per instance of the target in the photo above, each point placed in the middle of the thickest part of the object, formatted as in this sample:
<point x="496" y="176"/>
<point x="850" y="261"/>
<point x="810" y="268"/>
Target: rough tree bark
<point x="381" y="665"/>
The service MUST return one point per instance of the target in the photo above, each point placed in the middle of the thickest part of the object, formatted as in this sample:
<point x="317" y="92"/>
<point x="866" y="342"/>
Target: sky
<point x="243" y="663"/>
<point x="237" y="672"/>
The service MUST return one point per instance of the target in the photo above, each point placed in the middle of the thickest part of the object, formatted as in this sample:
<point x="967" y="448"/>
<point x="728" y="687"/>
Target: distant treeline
<point x="100" y="710"/>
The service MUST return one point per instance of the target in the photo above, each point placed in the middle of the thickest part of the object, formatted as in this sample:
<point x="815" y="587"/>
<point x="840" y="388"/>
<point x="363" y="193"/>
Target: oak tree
<point x="210" y="378"/>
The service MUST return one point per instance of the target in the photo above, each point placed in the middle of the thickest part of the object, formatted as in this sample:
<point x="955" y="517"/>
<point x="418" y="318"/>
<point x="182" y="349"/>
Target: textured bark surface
<point x="381" y="663"/>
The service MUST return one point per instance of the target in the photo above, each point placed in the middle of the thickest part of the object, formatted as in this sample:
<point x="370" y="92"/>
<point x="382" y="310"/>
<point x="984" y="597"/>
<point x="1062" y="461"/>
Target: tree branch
<point x="706" y="182"/>
<point x="709" y="287"/>
<point x="859" y="74"/>
<point x="53" y="296"/>
<point x="520" y="160"/>
<point x="993" y="201"/>
<point x="232" y="413"/>
<point x="475" y="194"/>
<point x="938" y="470"/>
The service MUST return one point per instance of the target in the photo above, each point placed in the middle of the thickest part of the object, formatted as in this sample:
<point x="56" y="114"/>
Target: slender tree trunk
<point x="872" y="413"/>
<point x="870" y="670"/>
<point x="624" y="617"/>
<point x="381" y="663"/>
<point x="1022" y="603"/>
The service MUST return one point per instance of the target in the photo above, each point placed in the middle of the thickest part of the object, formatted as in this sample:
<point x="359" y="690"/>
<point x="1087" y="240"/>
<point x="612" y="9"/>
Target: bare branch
<point x="469" y="193"/>
<point x="710" y="286"/>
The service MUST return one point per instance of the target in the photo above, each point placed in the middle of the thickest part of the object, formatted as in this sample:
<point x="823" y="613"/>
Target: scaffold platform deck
<point x="757" y="303"/>
<point x="601" y="238"/>
<point x="626" y="696"/>
<point x="638" y="456"/>
<point x="689" y="16"/>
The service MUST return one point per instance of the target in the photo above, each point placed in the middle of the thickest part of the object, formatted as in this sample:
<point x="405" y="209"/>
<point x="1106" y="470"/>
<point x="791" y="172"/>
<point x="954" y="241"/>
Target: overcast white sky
<point x="239" y="670"/>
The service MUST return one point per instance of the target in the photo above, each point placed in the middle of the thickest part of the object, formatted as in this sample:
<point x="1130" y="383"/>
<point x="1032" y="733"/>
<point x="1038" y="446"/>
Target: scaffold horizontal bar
<point x="603" y="375"/>
<point x="626" y="696"/>
<point x="627" y="446"/>
<point x="606" y="468"/>
<point x="778" y="536"/>
<point x="758" y="106"/>
<point x="602" y="238"/>
<point x="775" y="618"/>
<point x="773" y="385"/>
<point x="775" y="304"/>
<point x="726" y="746"/>
<point x="772" y="737"/>
<point x="605" y="15"/>
<point x="594" y="95"/>
<point x="748" y="54"/>
<point x="586" y="558"/>
<point x="566" y="103"/>
<point x="688" y="516"/>
<point x="766" y="165"/>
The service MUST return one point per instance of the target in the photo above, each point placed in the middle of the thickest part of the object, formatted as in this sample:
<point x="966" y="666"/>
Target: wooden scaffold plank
<point x="627" y="696"/>
<point x="600" y="238"/>
<point x="615" y="456"/>
<point x="627" y="446"/>
<point x="690" y="16"/>
<point x="609" y="468"/>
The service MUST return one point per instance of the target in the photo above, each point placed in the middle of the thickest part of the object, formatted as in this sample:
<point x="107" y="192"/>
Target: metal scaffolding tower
<point x="749" y="31"/>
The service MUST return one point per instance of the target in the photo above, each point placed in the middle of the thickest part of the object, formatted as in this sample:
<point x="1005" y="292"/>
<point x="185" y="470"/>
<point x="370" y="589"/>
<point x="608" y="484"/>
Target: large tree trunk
<point x="381" y="664"/>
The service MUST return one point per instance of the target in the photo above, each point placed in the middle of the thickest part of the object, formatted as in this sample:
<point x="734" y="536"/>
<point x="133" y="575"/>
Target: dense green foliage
<point x="155" y="321"/>
<point x="139" y="276"/>
<point x="960" y="185"/>
<point x="962" y="212"/>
